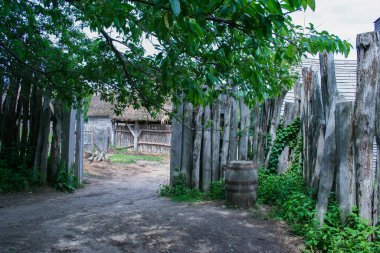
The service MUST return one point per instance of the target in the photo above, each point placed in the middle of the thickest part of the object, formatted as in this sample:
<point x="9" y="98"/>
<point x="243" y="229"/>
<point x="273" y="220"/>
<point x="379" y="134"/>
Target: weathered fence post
<point x="68" y="137"/>
<point x="176" y="144"/>
<point x="188" y="141"/>
<point x="328" y="165"/>
<point x="197" y="148"/>
<point x="206" y="150"/>
<point x="345" y="178"/>
<point x="312" y="124"/>
<point x="376" y="213"/>
<point x="274" y="120"/>
<point x="244" y="128"/>
<point x="215" y="170"/>
<point x="368" y="48"/>
<point x="233" y="129"/>
<point x="283" y="159"/>
<point x="79" y="147"/>
<point x="226" y="132"/>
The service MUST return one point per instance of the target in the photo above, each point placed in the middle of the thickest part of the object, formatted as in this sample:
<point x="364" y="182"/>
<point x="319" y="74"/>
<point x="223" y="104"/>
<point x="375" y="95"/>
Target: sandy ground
<point x="120" y="211"/>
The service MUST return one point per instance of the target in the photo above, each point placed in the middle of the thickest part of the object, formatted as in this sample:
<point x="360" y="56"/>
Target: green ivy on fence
<point x="285" y="136"/>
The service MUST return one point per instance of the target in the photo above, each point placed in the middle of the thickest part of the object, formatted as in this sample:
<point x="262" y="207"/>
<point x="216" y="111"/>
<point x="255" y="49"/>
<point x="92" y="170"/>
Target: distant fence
<point x="96" y="138"/>
<point x="152" y="138"/>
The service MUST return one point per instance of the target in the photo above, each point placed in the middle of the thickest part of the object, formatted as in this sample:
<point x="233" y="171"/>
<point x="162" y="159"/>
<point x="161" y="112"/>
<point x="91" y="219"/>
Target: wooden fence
<point x="151" y="138"/>
<point x="96" y="138"/>
<point x="339" y="148"/>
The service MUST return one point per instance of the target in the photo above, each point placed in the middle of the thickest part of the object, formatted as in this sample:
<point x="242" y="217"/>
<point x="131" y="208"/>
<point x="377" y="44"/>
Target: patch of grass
<point x="127" y="158"/>
<point x="181" y="193"/>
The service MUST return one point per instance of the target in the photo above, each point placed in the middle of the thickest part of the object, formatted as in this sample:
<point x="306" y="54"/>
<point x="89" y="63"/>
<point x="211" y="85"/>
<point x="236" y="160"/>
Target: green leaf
<point x="176" y="7"/>
<point x="312" y="4"/>
<point x="166" y="20"/>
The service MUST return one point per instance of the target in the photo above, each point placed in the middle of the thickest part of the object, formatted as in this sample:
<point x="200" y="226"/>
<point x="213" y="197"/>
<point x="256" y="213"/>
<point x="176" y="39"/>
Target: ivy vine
<point x="285" y="136"/>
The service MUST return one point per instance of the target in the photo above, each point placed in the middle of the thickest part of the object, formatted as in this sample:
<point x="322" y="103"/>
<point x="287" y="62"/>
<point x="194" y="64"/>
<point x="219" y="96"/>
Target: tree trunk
<point x="206" y="152"/>
<point x="346" y="187"/>
<point x="197" y="148"/>
<point x="176" y="144"/>
<point x="244" y="128"/>
<point x="226" y="134"/>
<point x="215" y="171"/>
<point x="368" y="48"/>
<point x="188" y="141"/>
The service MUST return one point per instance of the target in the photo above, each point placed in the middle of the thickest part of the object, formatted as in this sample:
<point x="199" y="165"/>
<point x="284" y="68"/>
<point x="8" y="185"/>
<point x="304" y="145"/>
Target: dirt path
<point x="120" y="211"/>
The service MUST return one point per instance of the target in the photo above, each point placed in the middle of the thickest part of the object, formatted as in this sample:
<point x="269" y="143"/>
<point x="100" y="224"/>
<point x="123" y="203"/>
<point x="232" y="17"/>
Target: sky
<point x="345" y="18"/>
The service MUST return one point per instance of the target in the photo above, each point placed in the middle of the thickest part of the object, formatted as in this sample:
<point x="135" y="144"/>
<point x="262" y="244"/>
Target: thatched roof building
<point x="102" y="109"/>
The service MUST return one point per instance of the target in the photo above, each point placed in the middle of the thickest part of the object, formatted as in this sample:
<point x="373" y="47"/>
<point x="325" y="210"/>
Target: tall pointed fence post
<point x="244" y="126"/>
<point x="176" y="143"/>
<point x="79" y="146"/>
<point x="68" y="137"/>
<point x="345" y="177"/>
<point x="215" y="166"/>
<point x="368" y="48"/>
<point x="328" y="162"/>
<point x="188" y="142"/>
<point x="206" y="150"/>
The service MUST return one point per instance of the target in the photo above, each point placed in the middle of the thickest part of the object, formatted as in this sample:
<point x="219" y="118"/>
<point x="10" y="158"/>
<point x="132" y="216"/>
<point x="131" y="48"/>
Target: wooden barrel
<point x="241" y="183"/>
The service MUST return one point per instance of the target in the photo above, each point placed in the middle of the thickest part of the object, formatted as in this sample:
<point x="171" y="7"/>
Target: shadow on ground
<point x="120" y="211"/>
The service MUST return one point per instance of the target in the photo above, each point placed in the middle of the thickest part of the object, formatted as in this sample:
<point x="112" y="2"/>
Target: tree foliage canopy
<point x="203" y="48"/>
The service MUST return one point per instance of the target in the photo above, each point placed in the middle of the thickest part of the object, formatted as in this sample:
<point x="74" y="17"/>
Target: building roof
<point x="377" y="25"/>
<point x="99" y="108"/>
<point x="102" y="109"/>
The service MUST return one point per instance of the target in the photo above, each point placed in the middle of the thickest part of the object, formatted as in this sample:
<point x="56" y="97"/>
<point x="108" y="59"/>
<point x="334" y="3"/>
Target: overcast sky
<point x="345" y="18"/>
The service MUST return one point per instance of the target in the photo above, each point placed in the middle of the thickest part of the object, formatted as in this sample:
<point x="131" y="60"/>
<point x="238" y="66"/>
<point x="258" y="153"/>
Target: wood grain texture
<point x="368" y="46"/>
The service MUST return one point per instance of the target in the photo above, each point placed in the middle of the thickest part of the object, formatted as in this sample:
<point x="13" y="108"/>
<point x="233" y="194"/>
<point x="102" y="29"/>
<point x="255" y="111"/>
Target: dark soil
<point x="120" y="211"/>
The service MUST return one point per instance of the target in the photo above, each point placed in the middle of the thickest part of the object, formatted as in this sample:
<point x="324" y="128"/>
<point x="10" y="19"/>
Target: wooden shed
<point x="134" y="129"/>
<point x="138" y="130"/>
<point x="377" y="25"/>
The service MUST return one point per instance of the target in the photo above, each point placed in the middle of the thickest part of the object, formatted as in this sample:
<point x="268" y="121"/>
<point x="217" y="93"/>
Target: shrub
<point x="15" y="179"/>
<point x="66" y="180"/>
<point x="181" y="192"/>
<point x="294" y="204"/>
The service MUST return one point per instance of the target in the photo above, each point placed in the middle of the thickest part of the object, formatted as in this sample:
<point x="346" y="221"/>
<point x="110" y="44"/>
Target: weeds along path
<point x="120" y="211"/>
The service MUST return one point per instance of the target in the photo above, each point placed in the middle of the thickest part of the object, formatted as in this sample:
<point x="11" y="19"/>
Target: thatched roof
<point x="100" y="109"/>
